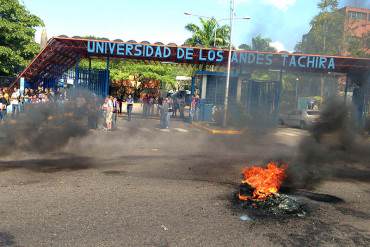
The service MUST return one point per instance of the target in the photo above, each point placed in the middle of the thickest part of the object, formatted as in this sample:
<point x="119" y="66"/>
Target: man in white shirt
<point x="14" y="101"/>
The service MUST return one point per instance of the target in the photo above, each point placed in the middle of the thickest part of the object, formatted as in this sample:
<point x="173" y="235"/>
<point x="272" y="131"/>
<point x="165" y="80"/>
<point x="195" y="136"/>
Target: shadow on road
<point x="49" y="165"/>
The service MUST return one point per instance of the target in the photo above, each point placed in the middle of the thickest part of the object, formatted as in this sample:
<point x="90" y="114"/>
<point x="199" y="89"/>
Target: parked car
<point x="300" y="118"/>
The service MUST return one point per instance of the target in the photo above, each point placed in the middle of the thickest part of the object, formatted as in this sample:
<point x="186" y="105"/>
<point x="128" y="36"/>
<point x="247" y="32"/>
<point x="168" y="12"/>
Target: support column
<point x="89" y="75"/>
<point x="367" y="103"/>
<point x="77" y="71"/>
<point x="359" y="97"/>
<point x="193" y="85"/>
<point x="239" y="89"/>
<point x="279" y="89"/>
<point x="106" y="91"/>
<point x="346" y="89"/>
<point x="204" y="87"/>
<point x="322" y="87"/>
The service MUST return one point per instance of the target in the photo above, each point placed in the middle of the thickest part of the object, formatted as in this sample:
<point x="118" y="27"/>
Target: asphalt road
<point x="142" y="186"/>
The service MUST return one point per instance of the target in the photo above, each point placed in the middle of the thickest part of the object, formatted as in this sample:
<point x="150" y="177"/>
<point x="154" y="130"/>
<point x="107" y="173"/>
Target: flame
<point x="264" y="181"/>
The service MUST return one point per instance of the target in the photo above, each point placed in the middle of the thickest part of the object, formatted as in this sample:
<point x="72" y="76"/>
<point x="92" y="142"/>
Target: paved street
<point x="142" y="186"/>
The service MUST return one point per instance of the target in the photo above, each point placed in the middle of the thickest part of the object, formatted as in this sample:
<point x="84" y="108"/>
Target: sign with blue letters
<point x="208" y="56"/>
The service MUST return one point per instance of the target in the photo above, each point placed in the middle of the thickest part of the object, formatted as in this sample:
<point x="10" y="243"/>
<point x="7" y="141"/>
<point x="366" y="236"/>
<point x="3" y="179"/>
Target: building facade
<point x="357" y="24"/>
<point x="357" y="21"/>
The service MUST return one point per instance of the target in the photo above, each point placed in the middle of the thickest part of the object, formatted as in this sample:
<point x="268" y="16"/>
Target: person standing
<point x="3" y="104"/>
<point x="14" y="101"/>
<point x="174" y="104"/>
<point x="120" y="101"/>
<point x="145" y="105"/>
<point x="181" y="105"/>
<point x="193" y="108"/>
<point x="130" y="105"/>
<point x="151" y="105"/>
<point x="115" y="112"/>
<point x="108" y="112"/>
<point x="6" y="95"/>
<point x="159" y="104"/>
<point x="165" y="115"/>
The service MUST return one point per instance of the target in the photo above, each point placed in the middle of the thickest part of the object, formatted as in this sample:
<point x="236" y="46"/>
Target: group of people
<point x="165" y="107"/>
<point x="13" y="101"/>
<point x="149" y="102"/>
<point x="112" y="107"/>
<point x="170" y="105"/>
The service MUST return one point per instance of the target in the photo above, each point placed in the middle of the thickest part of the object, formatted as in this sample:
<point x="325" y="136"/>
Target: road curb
<point x="217" y="131"/>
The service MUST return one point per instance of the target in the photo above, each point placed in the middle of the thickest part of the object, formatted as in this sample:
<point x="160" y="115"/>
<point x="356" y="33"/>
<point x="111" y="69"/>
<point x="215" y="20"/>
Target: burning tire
<point x="259" y="189"/>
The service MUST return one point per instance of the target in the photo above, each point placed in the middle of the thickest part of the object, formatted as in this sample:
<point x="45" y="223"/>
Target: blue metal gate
<point x="261" y="100"/>
<point x="93" y="80"/>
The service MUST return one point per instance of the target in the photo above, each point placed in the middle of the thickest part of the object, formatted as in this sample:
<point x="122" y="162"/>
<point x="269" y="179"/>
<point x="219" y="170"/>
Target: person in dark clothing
<point x="120" y="105"/>
<point x="3" y="105"/>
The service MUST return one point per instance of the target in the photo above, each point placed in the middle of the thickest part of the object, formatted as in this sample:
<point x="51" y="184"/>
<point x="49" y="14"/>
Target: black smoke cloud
<point x="335" y="149"/>
<point x="45" y="128"/>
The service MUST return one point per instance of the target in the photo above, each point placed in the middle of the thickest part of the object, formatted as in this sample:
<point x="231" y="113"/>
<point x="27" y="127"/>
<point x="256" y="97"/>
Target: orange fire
<point x="264" y="181"/>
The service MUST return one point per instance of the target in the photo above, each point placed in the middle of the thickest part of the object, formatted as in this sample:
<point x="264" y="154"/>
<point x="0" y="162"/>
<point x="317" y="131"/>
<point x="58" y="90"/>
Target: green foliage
<point x="328" y="5"/>
<point x="264" y="75"/>
<point x="123" y="70"/>
<point x="208" y="34"/>
<point x="355" y="45"/>
<point x="259" y="44"/>
<point x="17" y="31"/>
<point x="262" y="44"/>
<point x="327" y="34"/>
<point x="245" y="47"/>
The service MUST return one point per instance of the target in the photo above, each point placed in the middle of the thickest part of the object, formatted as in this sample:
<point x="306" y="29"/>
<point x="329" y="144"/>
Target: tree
<point x="259" y="44"/>
<point x="208" y="34"/>
<point x="124" y="70"/>
<point x="262" y="44"/>
<point x="17" y="31"/>
<point x="328" y="5"/>
<point x="328" y="34"/>
<point x="356" y="45"/>
<point x="245" y="47"/>
<point x="165" y="73"/>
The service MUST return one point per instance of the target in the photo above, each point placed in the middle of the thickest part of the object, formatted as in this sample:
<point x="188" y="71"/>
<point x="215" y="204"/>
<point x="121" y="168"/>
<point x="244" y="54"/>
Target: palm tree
<point x="208" y="34"/>
<point x="258" y="44"/>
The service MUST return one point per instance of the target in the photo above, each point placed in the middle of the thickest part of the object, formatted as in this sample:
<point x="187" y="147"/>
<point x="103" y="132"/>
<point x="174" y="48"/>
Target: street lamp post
<point x="226" y="102"/>
<point x="231" y="19"/>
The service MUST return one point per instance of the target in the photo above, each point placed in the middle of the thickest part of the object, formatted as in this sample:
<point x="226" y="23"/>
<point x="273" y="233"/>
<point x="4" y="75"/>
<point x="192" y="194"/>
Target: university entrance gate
<point x="64" y="54"/>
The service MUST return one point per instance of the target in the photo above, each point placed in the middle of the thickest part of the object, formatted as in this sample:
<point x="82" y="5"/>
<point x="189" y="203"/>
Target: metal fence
<point x="93" y="80"/>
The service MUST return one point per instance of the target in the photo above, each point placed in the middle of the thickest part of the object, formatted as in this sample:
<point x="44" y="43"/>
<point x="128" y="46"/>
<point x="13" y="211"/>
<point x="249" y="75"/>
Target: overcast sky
<point x="284" y="21"/>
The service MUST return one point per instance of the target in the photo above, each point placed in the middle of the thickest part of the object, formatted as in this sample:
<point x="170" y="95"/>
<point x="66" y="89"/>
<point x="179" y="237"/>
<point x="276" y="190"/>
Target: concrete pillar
<point x="204" y="87"/>
<point x="77" y="71"/>
<point x="192" y="85"/>
<point x="106" y="89"/>
<point x="346" y="89"/>
<point x="239" y="89"/>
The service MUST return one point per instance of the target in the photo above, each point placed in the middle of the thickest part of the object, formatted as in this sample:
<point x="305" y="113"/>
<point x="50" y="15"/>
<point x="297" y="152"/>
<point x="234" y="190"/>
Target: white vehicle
<point x="300" y="118"/>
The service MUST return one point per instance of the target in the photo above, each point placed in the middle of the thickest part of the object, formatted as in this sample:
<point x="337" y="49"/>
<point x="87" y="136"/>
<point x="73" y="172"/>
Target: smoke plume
<point x="334" y="149"/>
<point x="48" y="127"/>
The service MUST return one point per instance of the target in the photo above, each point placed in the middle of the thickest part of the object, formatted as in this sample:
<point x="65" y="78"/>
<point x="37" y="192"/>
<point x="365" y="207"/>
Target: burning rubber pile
<point x="259" y="192"/>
